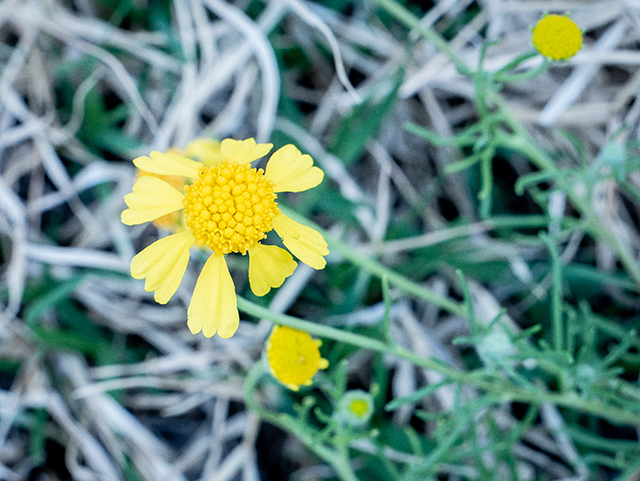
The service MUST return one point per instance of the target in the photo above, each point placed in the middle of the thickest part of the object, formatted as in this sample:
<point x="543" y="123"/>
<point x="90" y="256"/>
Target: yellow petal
<point x="168" y="164"/>
<point x="163" y="264"/>
<point x="305" y="243"/>
<point x="213" y="304"/>
<point x="269" y="266"/>
<point x="291" y="171"/>
<point x="243" y="151"/>
<point x="151" y="198"/>
<point x="206" y="151"/>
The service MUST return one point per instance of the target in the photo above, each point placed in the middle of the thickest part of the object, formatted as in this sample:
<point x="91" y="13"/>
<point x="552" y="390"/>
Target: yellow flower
<point x="293" y="356"/>
<point x="557" y="37"/>
<point x="229" y="207"/>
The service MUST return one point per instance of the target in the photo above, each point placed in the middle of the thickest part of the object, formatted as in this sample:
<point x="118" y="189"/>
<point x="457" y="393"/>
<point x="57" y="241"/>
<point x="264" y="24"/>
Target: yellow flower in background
<point x="229" y="208"/>
<point x="294" y="356"/>
<point x="557" y="37"/>
<point x="206" y="151"/>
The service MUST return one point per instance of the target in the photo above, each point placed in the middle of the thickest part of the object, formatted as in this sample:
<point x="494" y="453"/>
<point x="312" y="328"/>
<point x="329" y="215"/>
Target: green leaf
<point x="415" y="396"/>
<point x="101" y="127"/>
<point x="54" y="294"/>
<point x="69" y="340"/>
<point x="354" y="132"/>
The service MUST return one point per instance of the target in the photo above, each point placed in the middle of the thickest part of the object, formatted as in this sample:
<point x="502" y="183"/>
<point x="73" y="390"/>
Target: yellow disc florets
<point x="293" y="356"/>
<point x="557" y="37"/>
<point x="355" y="408"/>
<point x="358" y="407"/>
<point x="230" y="207"/>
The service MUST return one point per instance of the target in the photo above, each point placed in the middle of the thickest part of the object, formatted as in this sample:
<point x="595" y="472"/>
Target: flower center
<point x="557" y="37"/>
<point x="230" y="207"/>
<point x="359" y="407"/>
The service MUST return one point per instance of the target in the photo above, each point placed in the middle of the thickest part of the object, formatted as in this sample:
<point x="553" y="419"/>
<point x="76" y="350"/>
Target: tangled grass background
<point x="97" y="382"/>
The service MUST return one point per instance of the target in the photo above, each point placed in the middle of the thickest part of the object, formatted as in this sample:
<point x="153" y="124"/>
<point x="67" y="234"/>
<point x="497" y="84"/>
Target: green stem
<point x="520" y="142"/>
<point x="306" y="434"/>
<point x="411" y="21"/>
<point x="517" y="61"/>
<point x="370" y="265"/>
<point x="364" y="342"/>
<point x="509" y="392"/>
<point x="556" y="293"/>
<point x="572" y="401"/>
<point x="394" y="278"/>
<point x="524" y="76"/>
<point x="465" y="230"/>
<point x="631" y="473"/>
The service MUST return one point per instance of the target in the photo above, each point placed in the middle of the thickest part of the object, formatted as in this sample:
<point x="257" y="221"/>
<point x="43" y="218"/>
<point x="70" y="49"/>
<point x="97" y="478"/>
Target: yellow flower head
<point x="557" y="37"/>
<point x="229" y="207"/>
<point x="293" y="356"/>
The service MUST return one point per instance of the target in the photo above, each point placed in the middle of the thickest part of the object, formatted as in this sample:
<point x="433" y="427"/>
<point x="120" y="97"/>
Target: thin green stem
<point x="487" y="182"/>
<point x="524" y="76"/>
<point x="572" y="401"/>
<point x="556" y="293"/>
<point x="386" y="320"/>
<point x="520" y="142"/>
<point x="411" y="21"/>
<point x="319" y="330"/>
<point x="375" y="268"/>
<point x="364" y="342"/>
<point x="465" y="230"/>
<point x="306" y="434"/>
<point x="463" y="164"/>
<point x="509" y="392"/>
<point x="517" y="61"/>
<point x="394" y="278"/>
